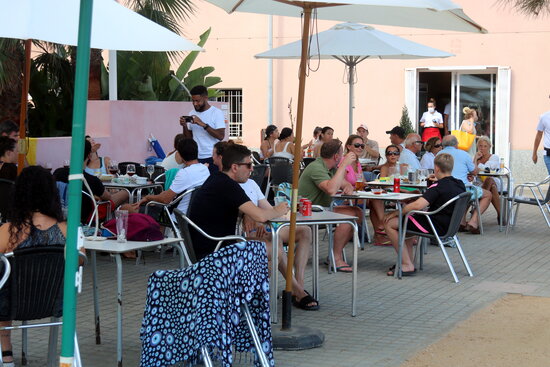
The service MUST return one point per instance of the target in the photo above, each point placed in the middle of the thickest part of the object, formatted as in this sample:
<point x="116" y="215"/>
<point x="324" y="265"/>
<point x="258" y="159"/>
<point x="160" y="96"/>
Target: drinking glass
<point x="358" y="182"/>
<point x="131" y="169"/>
<point x="150" y="171"/>
<point x="113" y="168"/>
<point x="121" y="225"/>
<point x="393" y="171"/>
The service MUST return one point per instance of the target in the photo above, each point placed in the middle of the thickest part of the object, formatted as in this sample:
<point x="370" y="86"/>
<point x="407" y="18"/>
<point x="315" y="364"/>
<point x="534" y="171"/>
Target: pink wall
<point x="514" y="40"/>
<point x="122" y="128"/>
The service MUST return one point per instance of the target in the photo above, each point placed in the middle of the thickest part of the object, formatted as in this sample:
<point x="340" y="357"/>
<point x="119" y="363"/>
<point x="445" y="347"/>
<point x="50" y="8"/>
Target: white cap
<point x="364" y="126"/>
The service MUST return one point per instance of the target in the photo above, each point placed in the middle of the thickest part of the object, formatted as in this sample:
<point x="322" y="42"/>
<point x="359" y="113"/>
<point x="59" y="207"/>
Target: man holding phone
<point x="205" y="124"/>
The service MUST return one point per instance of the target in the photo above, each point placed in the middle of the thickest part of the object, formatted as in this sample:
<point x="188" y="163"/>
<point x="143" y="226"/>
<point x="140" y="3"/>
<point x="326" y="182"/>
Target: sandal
<point x="344" y="269"/>
<point x="8" y="353"/>
<point x="391" y="272"/>
<point x="304" y="303"/>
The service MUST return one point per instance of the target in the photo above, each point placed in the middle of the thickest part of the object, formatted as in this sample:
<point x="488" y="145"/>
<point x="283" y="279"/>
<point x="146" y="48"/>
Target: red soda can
<point x="307" y="211"/>
<point x="396" y="185"/>
<point x="301" y="205"/>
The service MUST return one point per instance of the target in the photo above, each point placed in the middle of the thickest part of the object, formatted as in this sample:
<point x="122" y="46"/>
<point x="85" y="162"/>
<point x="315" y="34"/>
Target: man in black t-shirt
<point x="215" y="207"/>
<point x="446" y="188"/>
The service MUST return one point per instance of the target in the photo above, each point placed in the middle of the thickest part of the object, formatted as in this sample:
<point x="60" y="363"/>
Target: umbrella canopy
<point x="114" y="26"/>
<point x="353" y="39"/>
<point x="352" y="43"/>
<point x="430" y="14"/>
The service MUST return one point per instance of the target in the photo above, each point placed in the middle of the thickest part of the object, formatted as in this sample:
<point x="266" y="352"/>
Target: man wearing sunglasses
<point x="413" y="145"/>
<point x="216" y="206"/>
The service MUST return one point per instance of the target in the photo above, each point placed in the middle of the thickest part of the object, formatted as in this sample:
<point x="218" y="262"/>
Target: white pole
<point x="113" y="90"/>
<point x="270" y="72"/>
<point x="351" y="96"/>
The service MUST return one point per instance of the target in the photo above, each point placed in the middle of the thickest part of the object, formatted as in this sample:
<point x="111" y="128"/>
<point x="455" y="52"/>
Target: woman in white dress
<point x="285" y="146"/>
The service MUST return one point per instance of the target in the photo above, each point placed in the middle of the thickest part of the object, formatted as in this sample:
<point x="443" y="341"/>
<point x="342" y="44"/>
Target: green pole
<point x="75" y="184"/>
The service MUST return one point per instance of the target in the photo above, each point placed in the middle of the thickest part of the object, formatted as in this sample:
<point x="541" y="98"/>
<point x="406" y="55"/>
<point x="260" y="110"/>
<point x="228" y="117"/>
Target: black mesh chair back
<point x="140" y="171"/>
<point x="307" y="160"/>
<point x="183" y="226"/>
<point x="256" y="157"/>
<point x="6" y="188"/>
<point x="281" y="170"/>
<point x="36" y="282"/>
<point x="159" y="171"/>
<point x="461" y="203"/>
<point x="258" y="174"/>
<point x="460" y="207"/>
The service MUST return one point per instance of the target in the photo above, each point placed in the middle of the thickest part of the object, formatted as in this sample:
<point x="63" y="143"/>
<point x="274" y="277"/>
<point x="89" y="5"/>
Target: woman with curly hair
<point x="35" y="220"/>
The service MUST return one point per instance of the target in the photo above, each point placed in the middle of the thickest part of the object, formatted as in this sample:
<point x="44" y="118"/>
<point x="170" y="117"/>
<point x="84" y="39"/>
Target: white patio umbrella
<point x="431" y="14"/>
<point x="102" y="24"/>
<point x="114" y="26"/>
<point x="352" y="43"/>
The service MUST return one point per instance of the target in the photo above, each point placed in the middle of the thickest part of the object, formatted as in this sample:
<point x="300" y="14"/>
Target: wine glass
<point x="150" y="171"/>
<point x="131" y="170"/>
<point x="113" y="168"/>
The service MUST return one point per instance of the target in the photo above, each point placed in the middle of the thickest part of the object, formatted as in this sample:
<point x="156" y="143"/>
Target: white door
<point x="486" y="89"/>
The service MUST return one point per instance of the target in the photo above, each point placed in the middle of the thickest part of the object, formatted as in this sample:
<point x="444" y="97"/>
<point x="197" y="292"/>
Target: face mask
<point x="431" y="110"/>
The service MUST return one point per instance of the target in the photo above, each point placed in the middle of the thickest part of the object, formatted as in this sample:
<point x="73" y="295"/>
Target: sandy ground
<point x="513" y="331"/>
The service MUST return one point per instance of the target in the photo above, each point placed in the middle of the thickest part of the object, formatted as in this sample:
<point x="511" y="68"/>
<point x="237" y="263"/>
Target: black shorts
<point x="419" y="223"/>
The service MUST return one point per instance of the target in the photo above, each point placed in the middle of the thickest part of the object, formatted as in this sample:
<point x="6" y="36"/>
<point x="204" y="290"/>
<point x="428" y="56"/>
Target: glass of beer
<point x="359" y="182"/>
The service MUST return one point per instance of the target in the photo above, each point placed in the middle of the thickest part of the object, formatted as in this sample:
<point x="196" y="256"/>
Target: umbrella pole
<point x="297" y="338"/>
<point x="287" y="306"/>
<point x="351" y="95"/>
<point x="75" y="183"/>
<point x="24" y="102"/>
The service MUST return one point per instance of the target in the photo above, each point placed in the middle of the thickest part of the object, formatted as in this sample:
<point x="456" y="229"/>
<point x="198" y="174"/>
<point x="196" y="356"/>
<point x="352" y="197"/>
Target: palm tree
<point x="530" y="7"/>
<point x="168" y="13"/>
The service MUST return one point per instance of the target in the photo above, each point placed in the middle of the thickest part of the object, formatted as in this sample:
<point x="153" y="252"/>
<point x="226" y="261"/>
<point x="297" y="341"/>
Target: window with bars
<point x="234" y="98"/>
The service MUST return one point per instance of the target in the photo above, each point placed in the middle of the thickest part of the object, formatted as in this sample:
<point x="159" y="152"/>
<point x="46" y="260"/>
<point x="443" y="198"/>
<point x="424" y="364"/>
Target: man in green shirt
<point x="321" y="180"/>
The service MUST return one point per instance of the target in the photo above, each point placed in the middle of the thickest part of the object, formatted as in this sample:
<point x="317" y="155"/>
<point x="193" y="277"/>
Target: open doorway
<point x="436" y="85"/>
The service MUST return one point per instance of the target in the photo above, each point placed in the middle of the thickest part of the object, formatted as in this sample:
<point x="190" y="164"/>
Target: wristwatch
<point x="206" y="126"/>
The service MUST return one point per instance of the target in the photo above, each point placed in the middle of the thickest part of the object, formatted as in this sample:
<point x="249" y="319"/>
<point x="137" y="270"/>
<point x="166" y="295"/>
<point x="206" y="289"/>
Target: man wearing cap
<point x="397" y="136"/>
<point x="371" y="150"/>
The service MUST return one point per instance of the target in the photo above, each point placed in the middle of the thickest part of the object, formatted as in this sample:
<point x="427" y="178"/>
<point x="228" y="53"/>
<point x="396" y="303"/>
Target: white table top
<point x="327" y="216"/>
<point x="369" y="195"/>
<point x="494" y="174"/>
<point x="116" y="247"/>
<point x="421" y="184"/>
<point x="130" y="185"/>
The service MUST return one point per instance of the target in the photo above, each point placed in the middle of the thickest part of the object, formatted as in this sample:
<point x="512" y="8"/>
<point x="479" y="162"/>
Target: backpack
<point x="141" y="227"/>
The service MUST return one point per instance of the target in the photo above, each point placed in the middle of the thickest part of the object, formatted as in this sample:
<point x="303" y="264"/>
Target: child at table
<point x="445" y="188"/>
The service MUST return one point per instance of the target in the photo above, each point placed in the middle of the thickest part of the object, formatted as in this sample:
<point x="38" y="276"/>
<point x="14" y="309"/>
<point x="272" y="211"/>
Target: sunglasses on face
<point x="248" y="165"/>
<point x="359" y="145"/>
<point x="393" y="153"/>
<point x="438" y="146"/>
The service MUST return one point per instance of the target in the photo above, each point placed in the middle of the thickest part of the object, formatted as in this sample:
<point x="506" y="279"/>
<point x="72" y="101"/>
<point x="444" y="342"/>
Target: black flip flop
<point x="304" y="303"/>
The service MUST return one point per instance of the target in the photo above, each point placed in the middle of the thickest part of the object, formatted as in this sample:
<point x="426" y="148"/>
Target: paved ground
<point x="395" y="318"/>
